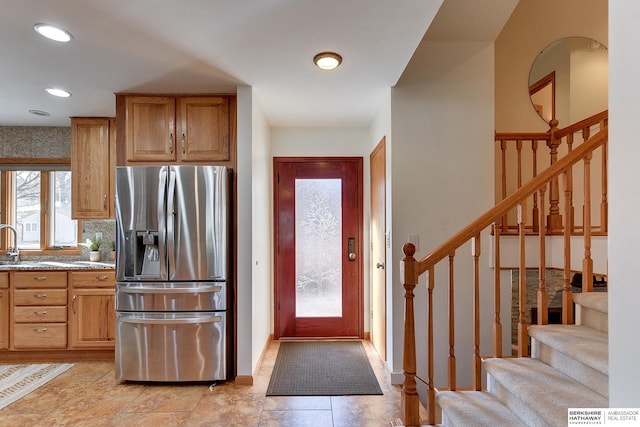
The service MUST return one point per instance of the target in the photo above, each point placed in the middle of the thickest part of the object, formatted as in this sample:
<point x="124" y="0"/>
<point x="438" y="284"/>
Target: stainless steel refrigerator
<point x="173" y="292"/>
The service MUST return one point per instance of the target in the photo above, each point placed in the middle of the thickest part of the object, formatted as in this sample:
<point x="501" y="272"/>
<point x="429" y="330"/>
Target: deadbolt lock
<point x="351" y="246"/>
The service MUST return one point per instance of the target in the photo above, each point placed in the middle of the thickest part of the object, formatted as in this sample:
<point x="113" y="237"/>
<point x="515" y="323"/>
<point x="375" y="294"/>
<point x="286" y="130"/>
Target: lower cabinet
<point x="91" y="310"/>
<point x="57" y="310"/>
<point x="4" y="311"/>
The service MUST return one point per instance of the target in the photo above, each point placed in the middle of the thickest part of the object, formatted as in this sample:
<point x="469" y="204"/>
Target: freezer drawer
<point x="209" y="296"/>
<point x="171" y="347"/>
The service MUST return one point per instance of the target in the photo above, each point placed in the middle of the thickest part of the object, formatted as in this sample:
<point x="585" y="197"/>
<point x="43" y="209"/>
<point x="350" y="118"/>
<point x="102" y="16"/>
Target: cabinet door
<point x="150" y="126"/>
<point x="90" y="168"/>
<point x="92" y="319"/>
<point x="4" y="319"/>
<point x="203" y="129"/>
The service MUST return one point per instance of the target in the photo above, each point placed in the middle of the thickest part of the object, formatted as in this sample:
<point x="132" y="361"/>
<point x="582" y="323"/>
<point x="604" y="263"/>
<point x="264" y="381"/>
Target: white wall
<point x="244" y="278"/>
<point x="262" y="220"/>
<point x="331" y="142"/>
<point x="442" y="177"/>
<point x="624" y="205"/>
<point x="381" y="128"/>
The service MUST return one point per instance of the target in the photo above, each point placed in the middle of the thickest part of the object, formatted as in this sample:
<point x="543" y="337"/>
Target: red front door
<point x="318" y="253"/>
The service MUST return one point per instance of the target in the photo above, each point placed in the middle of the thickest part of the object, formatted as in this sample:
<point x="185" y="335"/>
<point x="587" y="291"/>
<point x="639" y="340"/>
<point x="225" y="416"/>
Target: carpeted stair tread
<point x="598" y="301"/>
<point x="585" y="345"/>
<point x="592" y="310"/>
<point x="537" y="392"/>
<point x="475" y="408"/>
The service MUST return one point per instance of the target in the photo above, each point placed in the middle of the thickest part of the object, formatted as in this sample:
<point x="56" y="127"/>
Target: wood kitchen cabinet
<point x="39" y="303"/>
<point x="93" y="159"/>
<point x="91" y="309"/>
<point x="4" y="311"/>
<point x="176" y="129"/>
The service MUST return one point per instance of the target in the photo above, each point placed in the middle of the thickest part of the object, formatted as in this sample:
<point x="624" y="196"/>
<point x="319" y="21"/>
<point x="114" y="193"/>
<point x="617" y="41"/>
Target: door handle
<point x="380" y="265"/>
<point x="351" y="245"/>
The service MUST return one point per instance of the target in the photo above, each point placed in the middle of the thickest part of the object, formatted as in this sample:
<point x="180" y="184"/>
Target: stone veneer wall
<point x="51" y="142"/>
<point x="554" y="282"/>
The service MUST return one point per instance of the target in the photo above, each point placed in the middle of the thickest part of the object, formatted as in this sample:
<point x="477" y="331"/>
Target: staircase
<point x="568" y="363"/>
<point x="568" y="368"/>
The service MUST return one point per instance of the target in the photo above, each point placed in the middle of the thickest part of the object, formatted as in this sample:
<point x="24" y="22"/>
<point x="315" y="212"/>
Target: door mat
<point x="322" y="368"/>
<point x="16" y="381"/>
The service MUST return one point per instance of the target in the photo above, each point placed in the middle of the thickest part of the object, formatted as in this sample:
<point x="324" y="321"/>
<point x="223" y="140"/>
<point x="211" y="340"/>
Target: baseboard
<point x="244" y="380"/>
<point x="367" y="336"/>
<point x="397" y="378"/>
<point x="57" y="356"/>
<point x="248" y="379"/>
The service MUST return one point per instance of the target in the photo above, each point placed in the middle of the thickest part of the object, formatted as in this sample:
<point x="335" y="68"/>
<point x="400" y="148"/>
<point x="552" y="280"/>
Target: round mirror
<point x="569" y="80"/>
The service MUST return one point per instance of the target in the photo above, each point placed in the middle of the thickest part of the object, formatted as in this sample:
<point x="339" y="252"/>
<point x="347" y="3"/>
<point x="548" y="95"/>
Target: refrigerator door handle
<point x="170" y="222"/>
<point x="181" y="321"/>
<point x="162" y="220"/>
<point x="155" y="290"/>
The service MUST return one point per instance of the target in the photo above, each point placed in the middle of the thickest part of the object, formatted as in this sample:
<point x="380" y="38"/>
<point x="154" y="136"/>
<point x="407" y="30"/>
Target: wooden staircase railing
<point x="520" y="157"/>
<point x="412" y="269"/>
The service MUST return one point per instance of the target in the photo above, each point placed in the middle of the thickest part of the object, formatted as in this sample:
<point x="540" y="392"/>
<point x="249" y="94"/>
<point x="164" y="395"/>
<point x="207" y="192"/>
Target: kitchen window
<point x="36" y="200"/>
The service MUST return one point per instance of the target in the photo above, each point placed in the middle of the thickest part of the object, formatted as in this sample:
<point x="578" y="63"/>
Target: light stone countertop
<point x="57" y="265"/>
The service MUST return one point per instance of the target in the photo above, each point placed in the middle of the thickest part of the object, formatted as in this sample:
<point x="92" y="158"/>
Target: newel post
<point x="410" y="400"/>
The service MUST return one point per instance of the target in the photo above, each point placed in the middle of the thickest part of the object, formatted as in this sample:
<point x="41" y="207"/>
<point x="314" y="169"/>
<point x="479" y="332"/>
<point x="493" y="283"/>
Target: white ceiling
<point x="168" y="46"/>
<point x="213" y="46"/>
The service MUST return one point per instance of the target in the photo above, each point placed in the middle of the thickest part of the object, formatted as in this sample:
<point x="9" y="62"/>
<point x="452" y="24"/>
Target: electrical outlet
<point x="98" y="236"/>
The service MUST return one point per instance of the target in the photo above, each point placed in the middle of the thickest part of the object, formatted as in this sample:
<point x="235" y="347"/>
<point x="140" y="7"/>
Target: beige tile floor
<point x="88" y="395"/>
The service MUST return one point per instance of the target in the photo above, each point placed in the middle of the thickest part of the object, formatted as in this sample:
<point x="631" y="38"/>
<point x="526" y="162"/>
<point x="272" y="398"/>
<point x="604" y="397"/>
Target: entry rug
<point x="322" y="368"/>
<point x="16" y="381"/>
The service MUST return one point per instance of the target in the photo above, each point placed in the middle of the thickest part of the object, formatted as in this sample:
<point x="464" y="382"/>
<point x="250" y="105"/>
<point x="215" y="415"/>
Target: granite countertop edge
<point x="57" y="265"/>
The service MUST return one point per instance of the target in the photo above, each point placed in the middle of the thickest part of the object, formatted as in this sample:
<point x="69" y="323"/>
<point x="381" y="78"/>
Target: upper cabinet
<point x="150" y="128"/>
<point x="176" y="129"/>
<point x="93" y="159"/>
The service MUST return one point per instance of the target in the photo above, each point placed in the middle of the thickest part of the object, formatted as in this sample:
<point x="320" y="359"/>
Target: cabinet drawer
<point x="40" y="314"/>
<point x="40" y="279"/>
<point x="39" y="335"/>
<point x="92" y="279"/>
<point x="40" y="297"/>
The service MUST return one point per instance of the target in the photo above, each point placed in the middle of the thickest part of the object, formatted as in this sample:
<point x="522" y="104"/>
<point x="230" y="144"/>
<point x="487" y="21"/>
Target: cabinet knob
<point x="40" y="295"/>
<point x="101" y="278"/>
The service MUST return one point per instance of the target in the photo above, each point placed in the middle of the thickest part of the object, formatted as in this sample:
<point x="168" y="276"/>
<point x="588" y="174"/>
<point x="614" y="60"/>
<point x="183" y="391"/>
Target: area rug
<point x="322" y="368"/>
<point x="16" y="381"/>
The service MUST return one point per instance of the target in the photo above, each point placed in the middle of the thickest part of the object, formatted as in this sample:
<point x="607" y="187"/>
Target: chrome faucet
<point x="12" y="252"/>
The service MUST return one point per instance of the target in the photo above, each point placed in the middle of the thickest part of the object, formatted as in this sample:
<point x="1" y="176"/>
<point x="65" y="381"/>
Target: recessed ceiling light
<point x="39" y="113"/>
<point x="58" y="92"/>
<point x="53" y="33"/>
<point x="327" y="60"/>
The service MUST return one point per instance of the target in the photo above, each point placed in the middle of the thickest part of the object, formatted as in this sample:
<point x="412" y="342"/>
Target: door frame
<point x="378" y="318"/>
<point x="359" y="240"/>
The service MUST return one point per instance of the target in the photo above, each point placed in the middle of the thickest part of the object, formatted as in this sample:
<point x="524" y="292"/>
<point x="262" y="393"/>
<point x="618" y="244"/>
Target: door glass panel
<point x="318" y="231"/>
